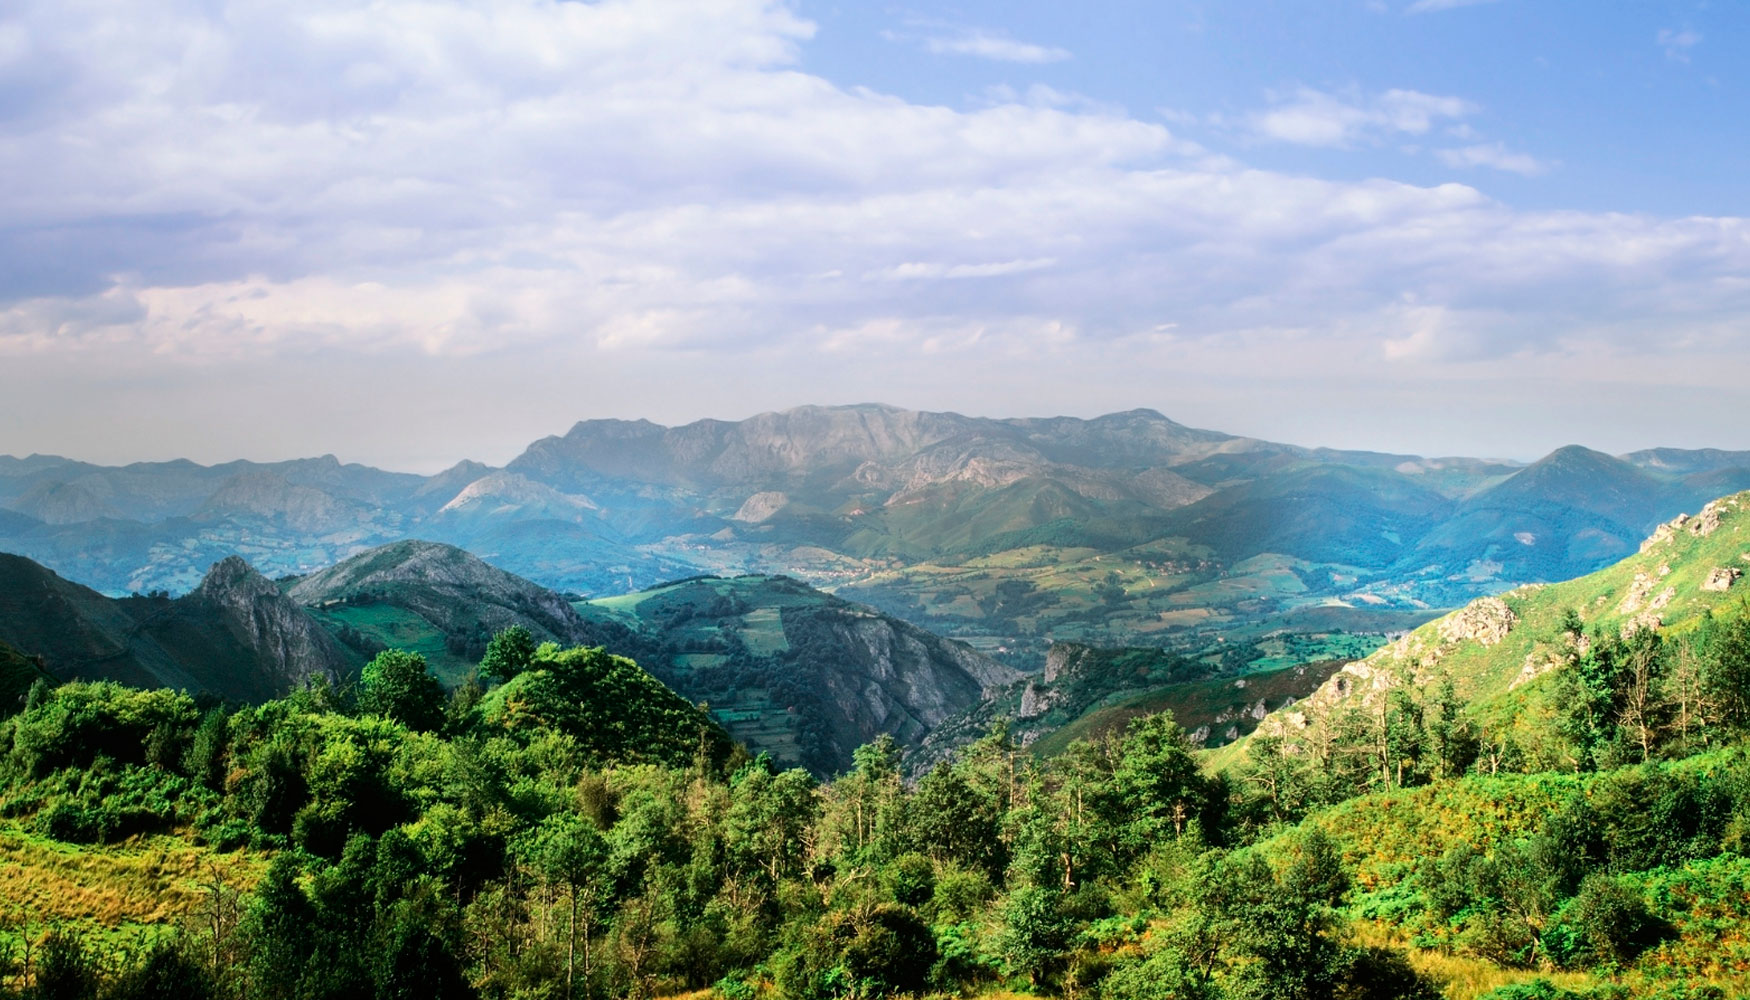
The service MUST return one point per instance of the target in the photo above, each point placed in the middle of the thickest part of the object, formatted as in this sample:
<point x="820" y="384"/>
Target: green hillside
<point x="794" y="672"/>
<point x="1170" y="593"/>
<point x="1504" y="655"/>
<point x="1087" y="692"/>
<point x="1213" y="712"/>
<point x="17" y="673"/>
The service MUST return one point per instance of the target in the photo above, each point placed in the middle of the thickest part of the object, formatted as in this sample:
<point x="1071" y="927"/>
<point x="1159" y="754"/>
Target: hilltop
<point x="439" y="601"/>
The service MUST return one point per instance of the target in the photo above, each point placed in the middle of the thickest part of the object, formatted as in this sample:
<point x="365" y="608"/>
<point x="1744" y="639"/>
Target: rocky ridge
<point x="290" y="647"/>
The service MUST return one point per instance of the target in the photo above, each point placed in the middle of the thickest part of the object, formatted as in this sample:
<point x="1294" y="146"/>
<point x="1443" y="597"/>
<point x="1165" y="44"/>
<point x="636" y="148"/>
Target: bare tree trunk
<point x="571" y="945"/>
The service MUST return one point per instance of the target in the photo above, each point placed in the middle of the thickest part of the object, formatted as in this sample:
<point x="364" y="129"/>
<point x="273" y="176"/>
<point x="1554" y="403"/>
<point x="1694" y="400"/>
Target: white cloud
<point x="603" y="199"/>
<point x="1677" y="43"/>
<point x="1309" y="117"/>
<point x="914" y="270"/>
<point x="1494" y="155"/>
<point x="989" y="45"/>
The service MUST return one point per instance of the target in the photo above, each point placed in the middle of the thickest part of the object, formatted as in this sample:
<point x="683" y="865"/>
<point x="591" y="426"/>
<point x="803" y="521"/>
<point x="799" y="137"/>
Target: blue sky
<point x="425" y="230"/>
<point x="1622" y="106"/>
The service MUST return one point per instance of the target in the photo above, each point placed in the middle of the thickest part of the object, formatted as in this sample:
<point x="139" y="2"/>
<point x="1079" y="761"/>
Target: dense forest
<point x="568" y="828"/>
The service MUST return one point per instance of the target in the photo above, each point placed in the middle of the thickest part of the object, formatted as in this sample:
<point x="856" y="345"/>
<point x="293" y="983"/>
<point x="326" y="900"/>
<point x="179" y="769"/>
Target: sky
<point x="415" y="231"/>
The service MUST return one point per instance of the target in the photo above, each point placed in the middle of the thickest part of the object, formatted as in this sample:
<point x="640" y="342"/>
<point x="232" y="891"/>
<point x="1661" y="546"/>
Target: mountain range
<point x="1122" y="529"/>
<point x="802" y="674"/>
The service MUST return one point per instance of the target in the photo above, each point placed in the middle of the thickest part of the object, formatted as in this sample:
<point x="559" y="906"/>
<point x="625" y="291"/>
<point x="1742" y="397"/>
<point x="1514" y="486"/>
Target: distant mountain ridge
<point x="894" y="504"/>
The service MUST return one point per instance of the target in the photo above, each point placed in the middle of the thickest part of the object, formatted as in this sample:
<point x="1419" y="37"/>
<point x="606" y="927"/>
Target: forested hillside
<point x="573" y="829"/>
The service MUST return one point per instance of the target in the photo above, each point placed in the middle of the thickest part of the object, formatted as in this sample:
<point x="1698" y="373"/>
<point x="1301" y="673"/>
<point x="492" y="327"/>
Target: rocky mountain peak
<point x="446" y="585"/>
<point x="289" y="646"/>
<point x="232" y="578"/>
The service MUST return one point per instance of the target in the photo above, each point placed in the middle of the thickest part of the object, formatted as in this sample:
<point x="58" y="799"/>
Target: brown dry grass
<point x="144" y="880"/>
<point x="1460" y="977"/>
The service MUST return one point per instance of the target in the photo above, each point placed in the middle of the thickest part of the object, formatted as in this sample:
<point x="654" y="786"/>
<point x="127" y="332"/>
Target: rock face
<point x="760" y="506"/>
<point x="1662" y="534"/>
<point x="1637" y="594"/>
<point x="1062" y="659"/>
<point x="1646" y="621"/>
<point x="872" y="442"/>
<point x="506" y="493"/>
<point x="1722" y="578"/>
<point x="1707" y="522"/>
<point x="1701" y="525"/>
<point x="1033" y="704"/>
<point x="896" y="678"/>
<point x="1486" y="621"/>
<point x="290" y="648"/>
<point x="264" y="493"/>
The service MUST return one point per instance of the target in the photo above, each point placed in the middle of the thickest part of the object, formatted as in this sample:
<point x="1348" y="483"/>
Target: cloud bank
<point x="595" y="188"/>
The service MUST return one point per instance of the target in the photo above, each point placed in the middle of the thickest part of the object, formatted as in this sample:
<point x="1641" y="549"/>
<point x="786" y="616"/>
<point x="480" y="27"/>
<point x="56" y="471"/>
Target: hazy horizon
<point x="510" y="451"/>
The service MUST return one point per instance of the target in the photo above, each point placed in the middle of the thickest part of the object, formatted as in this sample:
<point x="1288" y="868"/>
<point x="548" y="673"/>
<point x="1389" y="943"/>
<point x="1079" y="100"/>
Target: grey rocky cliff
<point x="289" y="647"/>
<point x="1722" y="578"/>
<point x="901" y="680"/>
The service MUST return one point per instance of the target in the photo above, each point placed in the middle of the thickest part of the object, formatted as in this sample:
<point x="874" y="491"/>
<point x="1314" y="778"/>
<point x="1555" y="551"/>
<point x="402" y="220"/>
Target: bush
<point x="397" y="685"/>
<point x="1605" y="923"/>
<point x="166" y="971"/>
<point x="76" y="724"/>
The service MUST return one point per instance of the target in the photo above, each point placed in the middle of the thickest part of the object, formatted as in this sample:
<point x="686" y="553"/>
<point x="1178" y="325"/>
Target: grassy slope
<point x="1490" y="677"/>
<point x="1384" y="836"/>
<point x="396" y="628"/>
<point x="116" y="892"/>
